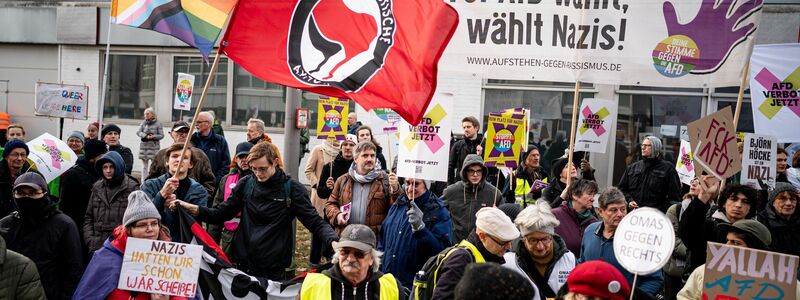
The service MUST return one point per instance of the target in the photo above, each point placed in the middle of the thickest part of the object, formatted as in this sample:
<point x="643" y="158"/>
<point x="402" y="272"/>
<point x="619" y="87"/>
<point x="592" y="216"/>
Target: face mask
<point x="29" y="207"/>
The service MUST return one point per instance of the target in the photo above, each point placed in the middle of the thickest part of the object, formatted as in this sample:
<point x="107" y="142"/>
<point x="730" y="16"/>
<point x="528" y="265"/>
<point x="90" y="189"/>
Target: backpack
<point x="426" y="278"/>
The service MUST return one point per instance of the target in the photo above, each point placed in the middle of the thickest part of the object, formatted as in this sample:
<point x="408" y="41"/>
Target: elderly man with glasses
<point x="652" y="181"/>
<point x="14" y="162"/>
<point x="213" y="145"/>
<point x="355" y="271"/>
<point x="417" y="227"/>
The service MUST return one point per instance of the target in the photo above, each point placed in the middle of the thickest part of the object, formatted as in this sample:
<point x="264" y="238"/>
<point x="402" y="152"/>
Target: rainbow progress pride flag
<point x="195" y="22"/>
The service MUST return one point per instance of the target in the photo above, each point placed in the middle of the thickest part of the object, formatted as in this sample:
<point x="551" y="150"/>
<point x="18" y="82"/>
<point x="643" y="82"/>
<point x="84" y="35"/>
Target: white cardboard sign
<point x="160" y="267"/>
<point x="424" y="149"/>
<point x="595" y="125"/>
<point x="183" y="92"/>
<point x="759" y="160"/>
<point x="51" y="156"/>
<point x="644" y="241"/>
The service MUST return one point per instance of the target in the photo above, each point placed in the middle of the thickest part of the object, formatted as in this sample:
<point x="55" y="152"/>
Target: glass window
<point x="255" y="98"/>
<point x="131" y="86"/>
<point x="216" y="98"/>
<point x="745" y="116"/>
<point x="658" y="115"/>
<point x="310" y="100"/>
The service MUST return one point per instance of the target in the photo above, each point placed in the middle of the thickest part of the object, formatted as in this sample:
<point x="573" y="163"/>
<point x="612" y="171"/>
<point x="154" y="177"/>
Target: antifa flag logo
<point x="339" y="43"/>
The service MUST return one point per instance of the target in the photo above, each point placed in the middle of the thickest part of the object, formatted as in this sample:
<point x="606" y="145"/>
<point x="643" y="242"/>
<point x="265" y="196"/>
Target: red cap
<point x="598" y="279"/>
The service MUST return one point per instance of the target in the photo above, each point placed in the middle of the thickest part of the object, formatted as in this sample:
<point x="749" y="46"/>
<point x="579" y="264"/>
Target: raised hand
<point x="716" y="29"/>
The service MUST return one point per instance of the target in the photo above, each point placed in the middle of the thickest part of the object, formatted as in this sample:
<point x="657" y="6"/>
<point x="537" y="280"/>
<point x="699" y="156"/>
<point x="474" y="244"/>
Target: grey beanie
<point x="538" y="217"/>
<point x="657" y="146"/>
<point x="780" y="187"/>
<point x="139" y="207"/>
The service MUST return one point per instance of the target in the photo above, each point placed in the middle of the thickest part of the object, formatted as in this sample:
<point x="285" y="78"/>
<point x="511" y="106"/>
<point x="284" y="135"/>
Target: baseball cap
<point x="752" y="227"/>
<point x="495" y="223"/>
<point x="243" y="148"/>
<point x="356" y="236"/>
<point x="598" y="279"/>
<point x="31" y="179"/>
<point x="180" y="125"/>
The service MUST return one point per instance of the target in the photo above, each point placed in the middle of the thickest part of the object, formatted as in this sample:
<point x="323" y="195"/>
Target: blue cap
<point x="243" y="148"/>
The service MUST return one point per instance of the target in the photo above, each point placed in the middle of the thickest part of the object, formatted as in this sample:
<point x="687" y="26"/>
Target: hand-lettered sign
<point x="733" y="272"/>
<point x="160" y="267"/>
<point x="62" y="100"/>
<point x="759" y="161"/>
<point x="644" y="241"/>
<point x="713" y="141"/>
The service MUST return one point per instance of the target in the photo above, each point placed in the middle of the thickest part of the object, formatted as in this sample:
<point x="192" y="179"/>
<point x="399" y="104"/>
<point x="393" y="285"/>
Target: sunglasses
<point x="357" y="254"/>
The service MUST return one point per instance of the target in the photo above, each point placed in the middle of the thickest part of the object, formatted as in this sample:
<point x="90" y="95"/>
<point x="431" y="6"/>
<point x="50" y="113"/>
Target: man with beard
<point x="355" y="271"/>
<point x="42" y="233"/>
<point x="652" y="181"/>
<point x="598" y="240"/>
<point x="340" y="165"/>
<point x="526" y="174"/>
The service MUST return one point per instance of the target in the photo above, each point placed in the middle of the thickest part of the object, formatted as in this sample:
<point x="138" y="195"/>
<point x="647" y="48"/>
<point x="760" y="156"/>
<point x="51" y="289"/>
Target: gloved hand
<point x="415" y="217"/>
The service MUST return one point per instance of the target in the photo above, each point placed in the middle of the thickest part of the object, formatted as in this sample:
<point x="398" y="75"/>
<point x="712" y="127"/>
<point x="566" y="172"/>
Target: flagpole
<point x="572" y="131"/>
<point x="102" y="99"/>
<point x="199" y="106"/>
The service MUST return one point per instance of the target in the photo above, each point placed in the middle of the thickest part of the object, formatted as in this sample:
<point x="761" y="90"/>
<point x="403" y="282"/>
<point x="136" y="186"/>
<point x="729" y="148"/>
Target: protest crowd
<point x="374" y="235"/>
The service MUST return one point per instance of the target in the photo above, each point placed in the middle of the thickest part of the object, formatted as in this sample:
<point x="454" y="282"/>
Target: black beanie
<point x="109" y="128"/>
<point x="503" y="284"/>
<point x="556" y="167"/>
<point x="94" y="148"/>
<point x="510" y="209"/>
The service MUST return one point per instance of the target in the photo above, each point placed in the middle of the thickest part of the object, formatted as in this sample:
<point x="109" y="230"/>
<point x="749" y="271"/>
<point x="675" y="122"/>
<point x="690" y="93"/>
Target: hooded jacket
<point x="458" y="154"/>
<point x="108" y="201"/>
<point x="51" y="241"/>
<point x="557" y="270"/>
<point x="263" y="243"/>
<point x="200" y="171"/>
<point x="785" y="233"/>
<point x="406" y="251"/>
<point x="463" y="199"/>
<point x="18" y="276"/>
<point x="651" y="182"/>
<point x="101" y="277"/>
<point x="570" y="229"/>
<point x="370" y="289"/>
<point x="453" y="268"/>
<point x="127" y="156"/>
<point x="340" y="167"/>
<point x="216" y="149"/>
<point x="195" y="194"/>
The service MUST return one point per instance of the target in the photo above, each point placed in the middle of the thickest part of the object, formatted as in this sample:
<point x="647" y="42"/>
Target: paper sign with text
<point x="685" y="163"/>
<point x="331" y="114"/>
<point x="62" y="100"/>
<point x="759" y="160"/>
<point x="504" y="138"/>
<point x="51" y="156"/>
<point x="425" y="148"/>
<point x="384" y="120"/>
<point x="775" y="91"/>
<point x="714" y="147"/>
<point x="183" y="92"/>
<point x="160" y="267"/>
<point x="644" y="241"/>
<point x="744" y="273"/>
<point x="595" y="125"/>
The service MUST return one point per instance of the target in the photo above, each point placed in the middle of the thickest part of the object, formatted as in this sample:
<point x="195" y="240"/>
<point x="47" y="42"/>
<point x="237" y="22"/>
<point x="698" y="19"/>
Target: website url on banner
<point x="546" y="63"/>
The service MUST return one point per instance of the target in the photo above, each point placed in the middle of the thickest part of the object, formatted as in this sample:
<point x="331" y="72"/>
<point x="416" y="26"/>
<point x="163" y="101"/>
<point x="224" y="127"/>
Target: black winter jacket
<point x="76" y="188"/>
<point x="51" y="242"/>
<point x="785" y="233"/>
<point x="7" y="187"/>
<point x="651" y="183"/>
<point x="696" y="228"/>
<point x="453" y="268"/>
<point x="263" y="243"/>
<point x="458" y="152"/>
<point x="340" y="167"/>
<point x="216" y="148"/>
<point x="108" y="202"/>
<point x="127" y="156"/>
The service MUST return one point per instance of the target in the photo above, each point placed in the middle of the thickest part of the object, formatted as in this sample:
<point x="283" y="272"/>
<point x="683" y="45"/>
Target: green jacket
<point x="18" y="276"/>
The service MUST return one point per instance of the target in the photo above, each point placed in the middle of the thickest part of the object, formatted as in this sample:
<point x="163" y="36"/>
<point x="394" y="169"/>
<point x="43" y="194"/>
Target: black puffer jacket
<point x="108" y="202"/>
<point x="263" y="243"/>
<point x="651" y="182"/>
<point x="51" y="241"/>
<point x="18" y="276"/>
<point x="340" y="167"/>
<point x="6" y="188"/>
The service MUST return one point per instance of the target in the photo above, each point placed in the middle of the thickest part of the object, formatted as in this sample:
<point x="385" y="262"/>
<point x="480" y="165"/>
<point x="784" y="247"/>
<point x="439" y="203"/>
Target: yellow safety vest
<point x="522" y="190"/>
<point x="463" y="244"/>
<point x="318" y="286"/>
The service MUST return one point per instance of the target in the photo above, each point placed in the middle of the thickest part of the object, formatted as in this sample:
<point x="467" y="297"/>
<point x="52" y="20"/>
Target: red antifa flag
<point x="380" y="53"/>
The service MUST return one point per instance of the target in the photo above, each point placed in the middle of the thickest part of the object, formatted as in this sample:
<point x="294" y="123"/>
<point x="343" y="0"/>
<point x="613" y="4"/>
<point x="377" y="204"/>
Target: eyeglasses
<point x="357" y="254"/>
<point x="19" y="194"/>
<point x="502" y="244"/>
<point x="18" y="155"/>
<point x="646" y="146"/>
<point x="545" y="241"/>
<point x="474" y="172"/>
<point x="145" y="226"/>
<point x="785" y="199"/>
<point x="260" y="169"/>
